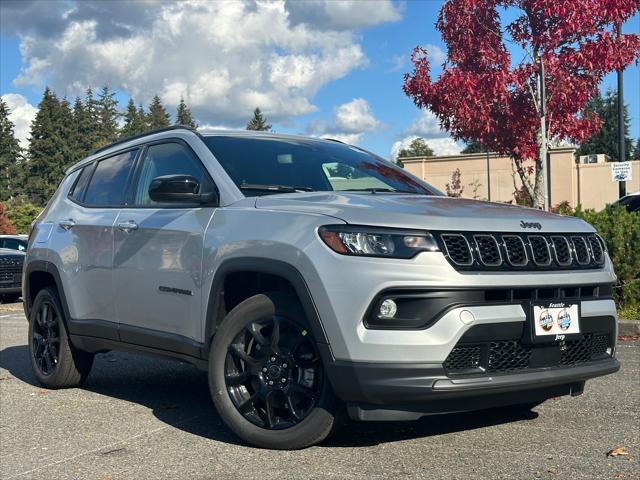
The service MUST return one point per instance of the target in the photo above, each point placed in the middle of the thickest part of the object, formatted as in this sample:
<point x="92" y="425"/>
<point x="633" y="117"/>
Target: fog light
<point x="388" y="308"/>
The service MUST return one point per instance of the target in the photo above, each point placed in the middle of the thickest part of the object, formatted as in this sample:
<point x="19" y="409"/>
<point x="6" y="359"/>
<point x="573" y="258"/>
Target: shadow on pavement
<point x="178" y="395"/>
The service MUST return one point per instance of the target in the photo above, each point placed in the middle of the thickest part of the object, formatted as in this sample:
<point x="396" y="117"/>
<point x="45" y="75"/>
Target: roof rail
<point x="141" y="135"/>
<point x="333" y="140"/>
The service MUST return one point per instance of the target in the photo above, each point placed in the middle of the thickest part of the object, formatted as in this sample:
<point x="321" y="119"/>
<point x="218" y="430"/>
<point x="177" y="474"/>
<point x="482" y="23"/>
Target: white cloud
<point x="436" y="55"/>
<point x="426" y="125"/>
<point x="224" y="58"/>
<point x="440" y="146"/>
<point x="351" y="121"/>
<point x="21" y="114"/>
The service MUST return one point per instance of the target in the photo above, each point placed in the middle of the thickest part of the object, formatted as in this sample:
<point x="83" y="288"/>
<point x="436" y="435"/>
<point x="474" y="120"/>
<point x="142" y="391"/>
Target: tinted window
<point x="109" y="181"/>
<point x="13" y="244"/>
<point x="168" y="159"/>
<point x="307" y="164"/>
<point x="81" y="183"/>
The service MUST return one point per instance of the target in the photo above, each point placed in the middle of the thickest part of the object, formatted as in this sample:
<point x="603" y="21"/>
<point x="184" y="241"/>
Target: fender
<point x="267" y="266"/>
<point x="46" y="267"/>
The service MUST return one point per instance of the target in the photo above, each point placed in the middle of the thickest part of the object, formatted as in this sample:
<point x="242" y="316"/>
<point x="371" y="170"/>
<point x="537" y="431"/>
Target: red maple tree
<point x="5" y="224"/>
<point x="487" y="94"/>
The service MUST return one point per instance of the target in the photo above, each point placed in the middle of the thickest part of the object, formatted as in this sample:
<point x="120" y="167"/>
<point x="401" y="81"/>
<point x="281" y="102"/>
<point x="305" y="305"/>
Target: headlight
<point x="377" y="242"/>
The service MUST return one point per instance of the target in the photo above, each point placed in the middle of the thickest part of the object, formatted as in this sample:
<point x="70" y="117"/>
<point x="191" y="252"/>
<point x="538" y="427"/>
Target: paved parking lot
<point x="145" y="418"/>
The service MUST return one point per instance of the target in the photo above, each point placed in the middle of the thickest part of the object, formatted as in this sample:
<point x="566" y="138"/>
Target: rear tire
<point x="54" y="361"/>
<point x="271" y="393"/>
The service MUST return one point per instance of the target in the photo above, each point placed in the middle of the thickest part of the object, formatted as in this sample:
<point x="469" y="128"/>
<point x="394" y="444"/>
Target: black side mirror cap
<point x="180" y="189"/>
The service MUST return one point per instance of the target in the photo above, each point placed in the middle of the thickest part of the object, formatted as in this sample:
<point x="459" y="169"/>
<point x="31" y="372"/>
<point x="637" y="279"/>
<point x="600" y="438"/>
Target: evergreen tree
<point x="49" y="148"/>
<point x="258" y="122"/>
<point x="83" y="134"/>
<point x="158" y="116"/>
<point x="107" y="115"/>
<point x="474" y="147"/>
<point x="183" y="115"/>
<point x="636" y="151"/>
<point x="10" y="155"/>
<point x="135" y="121"/>
<point x="91" y="125"/>
<point x="606" y="140"/>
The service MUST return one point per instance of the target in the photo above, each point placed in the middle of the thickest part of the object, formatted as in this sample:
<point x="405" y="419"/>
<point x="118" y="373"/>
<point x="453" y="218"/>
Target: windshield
<point x="266" y="165"/>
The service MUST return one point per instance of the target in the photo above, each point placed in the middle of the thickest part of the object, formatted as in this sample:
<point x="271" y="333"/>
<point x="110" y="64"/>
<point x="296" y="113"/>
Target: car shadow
<point x="178" y="395"/>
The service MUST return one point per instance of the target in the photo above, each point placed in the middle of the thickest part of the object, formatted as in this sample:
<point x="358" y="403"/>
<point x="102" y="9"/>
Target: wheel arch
<point x="215" y="304"/>
<point x="39" y="274"/>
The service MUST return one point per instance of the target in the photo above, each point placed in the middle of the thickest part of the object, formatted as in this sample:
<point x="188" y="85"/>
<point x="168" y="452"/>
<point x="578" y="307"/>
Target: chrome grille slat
<point x="458" y="249"/>
<point x="516" y="250"/>
<point x="488" y="250"/>
<point x="540" y="250"/>
<point x="581" y="250"/>
<point x="561" y="250"/>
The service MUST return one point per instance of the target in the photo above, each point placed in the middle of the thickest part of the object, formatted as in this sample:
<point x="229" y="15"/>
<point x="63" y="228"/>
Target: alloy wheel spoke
<point x="233" y="380"/>
<point x="294" y="413"/>
<point x="254" y="329"/>
<point x="268" y="408"/>
<point x="248" y="405"/>
<point x="275" y="336"/>
<point x="47" y="360"/>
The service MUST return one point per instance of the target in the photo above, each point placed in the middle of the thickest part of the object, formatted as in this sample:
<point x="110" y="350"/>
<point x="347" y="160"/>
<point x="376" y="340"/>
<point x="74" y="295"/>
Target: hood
<point x="423" y="212"/>
<point x="8" y="252"/>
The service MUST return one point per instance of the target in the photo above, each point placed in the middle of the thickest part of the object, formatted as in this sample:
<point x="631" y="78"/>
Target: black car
<point x="14" y="242"/>
<point x="11" y="262"/>
<point x="631" y="202"/>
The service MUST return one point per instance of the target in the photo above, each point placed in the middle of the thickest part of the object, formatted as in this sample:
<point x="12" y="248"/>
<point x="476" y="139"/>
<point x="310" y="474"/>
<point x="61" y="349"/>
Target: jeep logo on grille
<point x="535" y="225"/>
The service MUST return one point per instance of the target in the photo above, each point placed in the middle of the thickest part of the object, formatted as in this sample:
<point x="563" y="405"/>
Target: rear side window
<point x="109" y="181"/>
<point x="81" y="184"/>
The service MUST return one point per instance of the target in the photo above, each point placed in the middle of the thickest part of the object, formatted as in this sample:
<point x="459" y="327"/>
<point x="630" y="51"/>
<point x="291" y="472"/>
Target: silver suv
<point x="313" y="281"/>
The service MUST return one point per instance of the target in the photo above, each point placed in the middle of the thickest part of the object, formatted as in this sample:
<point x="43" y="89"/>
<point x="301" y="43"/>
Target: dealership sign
<point x="620" y="171"/>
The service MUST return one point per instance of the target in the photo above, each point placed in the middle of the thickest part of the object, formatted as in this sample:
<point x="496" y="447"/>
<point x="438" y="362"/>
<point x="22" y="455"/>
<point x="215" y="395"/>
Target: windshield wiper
<point x="383" y="190"/>
<point x="273" y="188"/>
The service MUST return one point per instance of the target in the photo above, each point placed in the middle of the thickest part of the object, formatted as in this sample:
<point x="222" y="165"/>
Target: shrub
<point x="620" y="230"/>
<point x="6" y="226"/>
<point x="21" y="214"/>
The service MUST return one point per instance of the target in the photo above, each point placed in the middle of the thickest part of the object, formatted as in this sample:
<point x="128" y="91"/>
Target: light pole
<point x="622" y="186"/>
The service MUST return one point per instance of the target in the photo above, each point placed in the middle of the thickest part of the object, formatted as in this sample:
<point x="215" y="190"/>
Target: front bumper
<point x="407" y="392"/>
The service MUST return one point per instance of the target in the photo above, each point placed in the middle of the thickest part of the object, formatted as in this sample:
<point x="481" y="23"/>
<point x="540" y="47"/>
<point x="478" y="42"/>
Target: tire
<point x="294" y="414"/>
<point x="10" y="298"/>
<point x="54" y="361"/>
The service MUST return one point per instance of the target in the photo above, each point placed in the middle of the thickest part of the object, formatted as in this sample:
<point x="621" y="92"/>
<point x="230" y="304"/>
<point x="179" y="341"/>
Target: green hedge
<point x="620" y="230"/>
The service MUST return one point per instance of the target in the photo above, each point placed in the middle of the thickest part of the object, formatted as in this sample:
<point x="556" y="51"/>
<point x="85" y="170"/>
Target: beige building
<point x="582" y="181"/>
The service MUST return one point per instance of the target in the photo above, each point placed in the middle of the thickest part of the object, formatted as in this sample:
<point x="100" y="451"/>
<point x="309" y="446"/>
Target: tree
<point x="183" y="115"/>
<point x="258" y="122"/>
<point x="10" y="154"/>
<point x="636" y="151"/>
<point x="135" y="120"/>
<point x="5" y="224"/>
<point x="606" y="139"/>
<point x="568" y="47"/>
<point x="417" y="148"/>
<point x="158" y="116"/>
<point x="83" y="132"/>
<point x="107" y="115"/>
<point x="455" y="188"/>
<point x="474" y="147"/>
<point x="21" y="214"/>
<point x="49" y="148"/>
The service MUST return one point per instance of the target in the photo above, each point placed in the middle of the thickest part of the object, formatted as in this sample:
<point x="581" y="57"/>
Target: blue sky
<point x="328" y="68"/>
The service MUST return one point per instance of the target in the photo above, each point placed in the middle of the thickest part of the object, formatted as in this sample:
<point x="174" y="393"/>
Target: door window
<point x="109" y="181"/>
<point x="170" y="158"/>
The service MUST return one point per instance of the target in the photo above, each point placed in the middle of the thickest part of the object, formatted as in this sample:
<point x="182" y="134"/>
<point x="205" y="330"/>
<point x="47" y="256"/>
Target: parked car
<point x="11" y="262"/>
<point x="305" y="299"/>
<point x="631" y="202"/>
<point x="14" y="242"/>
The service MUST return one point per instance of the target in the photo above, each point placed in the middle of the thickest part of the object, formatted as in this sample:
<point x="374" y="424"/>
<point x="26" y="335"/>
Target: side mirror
<point x="179" y="188"/>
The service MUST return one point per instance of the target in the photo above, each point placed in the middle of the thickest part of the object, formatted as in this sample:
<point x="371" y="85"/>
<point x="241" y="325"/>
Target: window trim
<point x="94" y="165"/>
<point x="137" y="170"/>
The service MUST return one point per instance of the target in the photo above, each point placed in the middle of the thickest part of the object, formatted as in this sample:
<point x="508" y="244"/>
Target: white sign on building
<point x="620" y="171"/>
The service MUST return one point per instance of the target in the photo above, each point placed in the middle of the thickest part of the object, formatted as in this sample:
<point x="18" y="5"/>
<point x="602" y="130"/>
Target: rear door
<point x="158" y="254"/>
<point x="82" y="237"/>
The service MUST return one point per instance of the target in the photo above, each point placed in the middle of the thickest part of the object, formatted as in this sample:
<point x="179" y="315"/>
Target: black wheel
<point x="54" y="361"/>
<point x="266" y="376"/>
<point x="10" y="297"/>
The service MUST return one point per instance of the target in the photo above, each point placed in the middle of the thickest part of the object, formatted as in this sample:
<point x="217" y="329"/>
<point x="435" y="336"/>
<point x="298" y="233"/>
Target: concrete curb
<point x="629" y="327"/>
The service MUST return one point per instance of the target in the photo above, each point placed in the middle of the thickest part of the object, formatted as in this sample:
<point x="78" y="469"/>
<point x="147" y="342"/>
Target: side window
<point x="81" y="183"/>
<point x="168" y="159"/>
<point x="109" y="180"/>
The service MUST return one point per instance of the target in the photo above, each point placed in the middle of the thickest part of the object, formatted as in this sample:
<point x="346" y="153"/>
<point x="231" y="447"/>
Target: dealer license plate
<point x="556" y="321"/>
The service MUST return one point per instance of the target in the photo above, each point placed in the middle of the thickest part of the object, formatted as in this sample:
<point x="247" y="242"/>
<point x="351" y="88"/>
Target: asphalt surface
<point x="146" y="418"/>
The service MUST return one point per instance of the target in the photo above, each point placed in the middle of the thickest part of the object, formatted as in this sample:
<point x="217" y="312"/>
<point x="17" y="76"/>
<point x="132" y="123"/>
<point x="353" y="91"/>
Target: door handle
<point x="127" y="226"/>
<point x="67" y="224"/>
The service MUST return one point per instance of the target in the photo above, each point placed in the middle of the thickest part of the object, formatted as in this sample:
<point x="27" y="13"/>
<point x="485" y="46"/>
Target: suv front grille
<point x="468" y="251"/>
<point x="506" y="356"/>
<point x="10" y="267"/>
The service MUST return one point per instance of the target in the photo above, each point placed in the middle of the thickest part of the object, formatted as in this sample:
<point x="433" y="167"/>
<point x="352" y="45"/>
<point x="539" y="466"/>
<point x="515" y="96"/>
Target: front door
<point x="158" y="255"/>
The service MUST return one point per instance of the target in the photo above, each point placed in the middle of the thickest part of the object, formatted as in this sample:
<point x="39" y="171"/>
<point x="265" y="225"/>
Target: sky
<point x="324" y="68"/>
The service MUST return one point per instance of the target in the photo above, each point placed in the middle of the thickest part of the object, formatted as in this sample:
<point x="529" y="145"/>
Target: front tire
<point x="54" y="361"/>
<point x="266" y="377"/>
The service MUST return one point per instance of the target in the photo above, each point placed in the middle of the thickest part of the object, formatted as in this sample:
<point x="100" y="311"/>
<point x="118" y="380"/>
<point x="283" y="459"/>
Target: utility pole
<point x="622" y="186"/>
<point x="544" y="158"/>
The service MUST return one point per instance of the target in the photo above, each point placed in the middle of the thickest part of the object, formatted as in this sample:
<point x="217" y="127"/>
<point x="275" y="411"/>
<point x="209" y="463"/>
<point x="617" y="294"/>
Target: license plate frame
<point x="554" y="321"/>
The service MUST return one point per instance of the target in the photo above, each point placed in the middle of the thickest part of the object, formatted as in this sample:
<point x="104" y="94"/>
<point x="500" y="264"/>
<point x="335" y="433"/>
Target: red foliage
<point x="484" y="95"/>
<point x="5" y="224"/>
